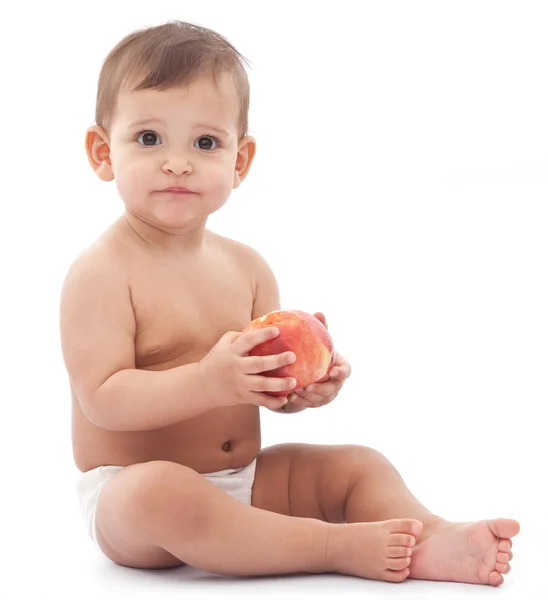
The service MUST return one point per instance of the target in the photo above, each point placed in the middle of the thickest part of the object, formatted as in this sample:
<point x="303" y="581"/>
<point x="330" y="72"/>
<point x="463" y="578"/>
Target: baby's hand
<point x="326" y="390"/>
<point x="230" y="376"/>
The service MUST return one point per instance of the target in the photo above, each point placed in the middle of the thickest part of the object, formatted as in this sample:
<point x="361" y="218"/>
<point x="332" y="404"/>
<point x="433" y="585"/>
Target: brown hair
<point x="175" y="53"/>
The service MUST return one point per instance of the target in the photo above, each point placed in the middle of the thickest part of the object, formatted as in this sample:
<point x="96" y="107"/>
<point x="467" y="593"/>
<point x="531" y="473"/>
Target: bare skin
<point x="159" y="293"/>
<point x="482" y="550"/>
<point x="302" y="495"/>
<point x="162" y="381"/>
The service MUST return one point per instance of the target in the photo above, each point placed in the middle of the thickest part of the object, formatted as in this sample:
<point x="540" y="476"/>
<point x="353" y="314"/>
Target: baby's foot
<point x="380" y="550"/>
<point x="466" y="552"/>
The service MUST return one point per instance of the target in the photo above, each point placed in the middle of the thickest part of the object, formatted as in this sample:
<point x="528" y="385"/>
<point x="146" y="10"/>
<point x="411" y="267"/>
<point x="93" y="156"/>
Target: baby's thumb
<point x="230" y="337"/>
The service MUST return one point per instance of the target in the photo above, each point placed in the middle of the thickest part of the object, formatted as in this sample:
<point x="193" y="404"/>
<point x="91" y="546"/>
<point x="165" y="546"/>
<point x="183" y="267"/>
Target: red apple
<point x="303" y="334"/>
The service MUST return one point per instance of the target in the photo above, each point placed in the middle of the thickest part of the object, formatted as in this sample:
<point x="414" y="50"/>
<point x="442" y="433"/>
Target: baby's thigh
<point x="126" y="512"/>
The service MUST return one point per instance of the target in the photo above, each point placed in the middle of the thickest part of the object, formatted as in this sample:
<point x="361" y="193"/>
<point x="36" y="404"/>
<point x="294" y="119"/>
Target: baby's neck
<point x="188" y="241"/>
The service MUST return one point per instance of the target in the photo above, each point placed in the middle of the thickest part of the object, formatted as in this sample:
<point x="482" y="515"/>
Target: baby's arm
<point x="98" y="340"/>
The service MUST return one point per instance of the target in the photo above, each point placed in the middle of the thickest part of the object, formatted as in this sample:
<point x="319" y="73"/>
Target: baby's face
<point x="183" y="138"/>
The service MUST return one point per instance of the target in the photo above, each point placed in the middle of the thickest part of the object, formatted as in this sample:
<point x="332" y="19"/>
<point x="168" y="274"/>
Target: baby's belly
<point x="223" y="438"/>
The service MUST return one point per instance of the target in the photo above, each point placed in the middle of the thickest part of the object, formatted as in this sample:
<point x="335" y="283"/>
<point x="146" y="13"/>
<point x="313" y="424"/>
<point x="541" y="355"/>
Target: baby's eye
<point x="206" y="142"/>
<point x="148" y="138"/>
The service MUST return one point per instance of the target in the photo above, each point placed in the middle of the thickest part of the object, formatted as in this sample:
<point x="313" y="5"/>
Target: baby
<point x="165" y="395"/>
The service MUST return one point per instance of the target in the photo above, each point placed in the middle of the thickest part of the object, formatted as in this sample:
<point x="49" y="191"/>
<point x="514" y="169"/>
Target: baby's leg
<point x="162" y="514"/>
<point x="358" y="484"/>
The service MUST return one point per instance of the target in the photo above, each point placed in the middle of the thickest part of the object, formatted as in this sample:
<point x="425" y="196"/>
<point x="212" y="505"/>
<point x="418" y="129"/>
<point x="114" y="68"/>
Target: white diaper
<point x="238" y="483"/>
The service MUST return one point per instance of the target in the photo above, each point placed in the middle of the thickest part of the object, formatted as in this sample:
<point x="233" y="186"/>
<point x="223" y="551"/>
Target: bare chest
<point x="181" y="311"/>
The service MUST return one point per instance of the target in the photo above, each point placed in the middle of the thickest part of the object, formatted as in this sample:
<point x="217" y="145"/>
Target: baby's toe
<point x="396" y="576"/>
<point x="397" y="564"/>
<point x="410" y="526"/>
<point x="503" y="557"/>
<point x="495" y="578"/>
<point x="503" y="568"/>
<point x="399" y="551"/>
<point x="401" y="539"/>
<point x="504" y="545"/>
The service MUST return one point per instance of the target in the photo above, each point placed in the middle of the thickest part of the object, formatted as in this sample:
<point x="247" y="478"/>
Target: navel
<point x="227" y="446"/>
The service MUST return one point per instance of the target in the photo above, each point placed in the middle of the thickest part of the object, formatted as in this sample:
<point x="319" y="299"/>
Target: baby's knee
<point x="359" y="457"/>
<point x="136" y="507"/>
<point x="172" y="497"/>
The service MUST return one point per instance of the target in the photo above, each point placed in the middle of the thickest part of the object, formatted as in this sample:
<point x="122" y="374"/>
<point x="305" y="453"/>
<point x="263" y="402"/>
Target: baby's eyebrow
<point x="147" y="121"/>
<point x="212" y="128"/>
<point x="152" y="120"/>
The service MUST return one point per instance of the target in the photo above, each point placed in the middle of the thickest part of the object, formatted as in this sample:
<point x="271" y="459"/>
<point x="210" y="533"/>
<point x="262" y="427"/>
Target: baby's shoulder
<point x="100" y="263"/>
<point x="242" y="254"/>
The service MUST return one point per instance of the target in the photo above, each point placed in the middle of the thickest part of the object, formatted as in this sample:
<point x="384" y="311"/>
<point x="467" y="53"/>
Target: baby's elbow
<point x="94" y="406"/>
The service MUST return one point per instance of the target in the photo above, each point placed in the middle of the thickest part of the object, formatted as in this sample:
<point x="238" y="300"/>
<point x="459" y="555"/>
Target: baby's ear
<point x="98" y="151"/>
<point x="246" y="153"/>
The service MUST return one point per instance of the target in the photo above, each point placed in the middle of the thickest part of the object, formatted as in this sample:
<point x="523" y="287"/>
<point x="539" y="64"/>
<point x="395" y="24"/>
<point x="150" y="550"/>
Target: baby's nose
<point x="177" y="165"/>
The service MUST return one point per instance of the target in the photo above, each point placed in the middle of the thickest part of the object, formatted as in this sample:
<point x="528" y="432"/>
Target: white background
<point x="400" y="187"/>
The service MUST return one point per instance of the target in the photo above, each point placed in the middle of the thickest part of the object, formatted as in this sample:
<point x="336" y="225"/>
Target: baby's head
<point x="172" y="111"/>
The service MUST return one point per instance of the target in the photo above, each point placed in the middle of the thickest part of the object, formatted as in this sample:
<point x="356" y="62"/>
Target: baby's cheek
<point x="132" y="185"/>
<point x="125" y="184"/>
<point x="219" y="183"/>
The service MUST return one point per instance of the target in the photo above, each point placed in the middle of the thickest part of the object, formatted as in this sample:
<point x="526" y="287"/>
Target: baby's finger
<point x="323" y="389"/>
<point x="341" y="365"/>
<point x="230" y="337"/>
<point x="340" y="373"/>
<point x="248" y="341"/>
<point x="271" y="402"/>
<point x="260" y="364"/>
<point x="300" y="398"/>
<point x="259" y="383"/>
<point x="321" y="317"/>
<point x="311" y="398"/>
